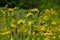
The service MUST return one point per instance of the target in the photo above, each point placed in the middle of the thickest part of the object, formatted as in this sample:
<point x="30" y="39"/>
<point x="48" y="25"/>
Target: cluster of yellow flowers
<point x="44" y="27"/>
<point x="50" y="12"/>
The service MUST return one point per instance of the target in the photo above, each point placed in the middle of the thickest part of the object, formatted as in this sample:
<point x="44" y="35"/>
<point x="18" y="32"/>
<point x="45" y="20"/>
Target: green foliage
<point x="26" y="4"/>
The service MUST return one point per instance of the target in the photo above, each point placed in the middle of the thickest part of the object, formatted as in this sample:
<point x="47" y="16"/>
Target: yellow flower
<point x="54" y="36"/>
<point x="13" y="25"/>
<point x="27" y="38"/>
<point x="33" y="33"/>
<point x="45" y="17"/>
<point x="29" y="14"/>
<point x="59" y="36"/>
<point x="11" y="38"/>
<point x="25" y="30"/>
<point x="42" y="28"/>
<point x="13" y="20"/>
<point x="29" y="32"/>
<point x="46" y="33"/>
<point x="32" y="38"/>
<point x="10" y="9"/>
<point x="20" y="21"/>
<point x="1" y="10"/>
<point x="54" y="23"/>
<point x="18" y="31"/>
<point x="7" y="32"/>
<point x="38" y="38"/>
<point x="46" y="39"/>
<point x="35" y="9"/>
<point x="49" y="32"/>
<point x="47" y="11"/>
<point x="52" y="11"/>
<point x="30" y="22"/>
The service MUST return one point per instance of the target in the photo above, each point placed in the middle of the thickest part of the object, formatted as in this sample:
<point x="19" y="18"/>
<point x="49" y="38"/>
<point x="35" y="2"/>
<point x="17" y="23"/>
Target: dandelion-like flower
<point x="29" y="14"/>
<point x="54" y="23"/>
<point x="45" y="17"/>
<point x="7" y="32"/>
<point x="13" y="25"/>
<point x="20" y="21"/>
<point x="42" y="28"/>
<point x="35" y="10"/>
<point x="46" y="39"/>
<point x="10" y="9"/>
<point x="30" y="22"/>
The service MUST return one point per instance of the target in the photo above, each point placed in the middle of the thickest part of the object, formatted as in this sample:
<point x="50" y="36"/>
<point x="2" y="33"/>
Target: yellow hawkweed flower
<point x="52" y="11"/>
<point x="46" y="33"/>
<point x="1" y="10"/>
<point x="13" y="25"/>
<point x="10" y="9"/>
<point x="25" y="30"/>
<point x="45" y="17"/>
<point x="46" y="39"/>
<point x="35" y="9"/>
<point x="49" y="32"/>
<point x="42" y="28"/>
<point x="30" y="22"/>
<point x="54" y="36"/>
<point x="32" y="38"/>
<point x="38" y="38"/>
<point x="7" y="32"/>
<point x="18" y="31"/>
<point x="54" y="23"/>
<point x="29" y="14"/>
<point x="27" y="38"/>
<point x="33" y="33"/>
<point x="59" y="36"/>
<point x="29" y="32"/>
<point x="11" y="38"/>
<point x="13" y="20"/>
<point x="47" y="11"/>
<point x="20" y="21"/>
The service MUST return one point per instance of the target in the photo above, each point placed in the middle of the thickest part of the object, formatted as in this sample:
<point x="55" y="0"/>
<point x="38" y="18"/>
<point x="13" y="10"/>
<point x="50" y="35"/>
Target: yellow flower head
<point x="13" y="25"/>
<point x="46" y="39"/>
<point x="11" y="38"/>
<point x="47" y="11"/>
<point x="13" y="20"/>
<point x="29" y="14"/>
<point x="54" y="23"/>
<point x="33" y="33"/>
<point x="45" y="17"/>
<point x="20" y="21"/>
<point x="10" y="9"/>
<point x="59" y="36"/>
<point x="42" y="28"/>
<point x="54" y="36"/>
<point x="7" y="32"/>
<point x="38" y="38"/>
<point x="35" y="9"/>
<point x="52" y="11"/>
<point x="29" y="32"/>
<point x="3" y="12"/>
<point x="32" y="38"/>
<point x="30" y="22"/>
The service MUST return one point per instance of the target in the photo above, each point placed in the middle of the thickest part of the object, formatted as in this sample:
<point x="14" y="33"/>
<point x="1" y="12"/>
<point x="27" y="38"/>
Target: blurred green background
<point x="27" y="4"/>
